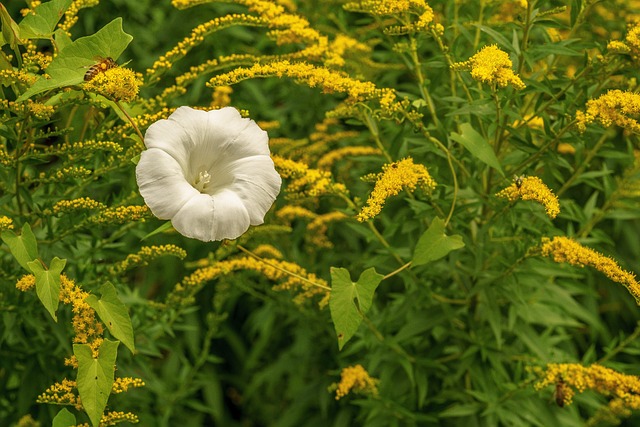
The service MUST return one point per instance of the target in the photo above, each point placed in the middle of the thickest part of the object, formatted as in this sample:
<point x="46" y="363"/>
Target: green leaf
<point x="95" y="377"/>
<point x="477" y="145"/>
<point x="70" y="65"/>
<point x="10" y="31"/>
<point x="349" y="301"/>
<point x="42" y="23"/>
<point x="24" y="248"/>
<point x="64" y="419"/>
<point x="435" y="244"/>
<point x="48" y="283"/>
<point x="113" y="313"/>
<point x="164" y="227"/>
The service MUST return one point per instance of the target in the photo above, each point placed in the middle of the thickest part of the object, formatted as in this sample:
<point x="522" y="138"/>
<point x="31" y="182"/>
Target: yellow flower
<point x="614" y="107"/>
<point x="26" y="282"/>
<point x="403" y="174"/>
<point x="492" y="66"/>
<point x="6" y="223"/>
<point x="116" y="84"/>
<point x="357" y="380"/>
<point x="532" y="188"/>
<point x="564" y="249"/>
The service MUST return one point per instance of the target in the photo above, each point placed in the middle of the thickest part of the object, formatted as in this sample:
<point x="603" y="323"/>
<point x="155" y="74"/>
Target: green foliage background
<point x="458" y="333"/>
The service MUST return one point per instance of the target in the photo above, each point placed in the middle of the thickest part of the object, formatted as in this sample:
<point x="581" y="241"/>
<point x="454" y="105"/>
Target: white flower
<point x="209" y="172"/>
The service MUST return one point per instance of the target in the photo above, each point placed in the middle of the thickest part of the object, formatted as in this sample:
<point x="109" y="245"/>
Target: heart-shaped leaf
<point x="435" y="244"/>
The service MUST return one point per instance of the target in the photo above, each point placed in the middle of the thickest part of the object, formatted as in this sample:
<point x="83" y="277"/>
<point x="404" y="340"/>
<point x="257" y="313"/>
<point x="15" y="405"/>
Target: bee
<point x="559" y="394"/>
<point x="101" y="66"/>
<point x="518" y="180"/>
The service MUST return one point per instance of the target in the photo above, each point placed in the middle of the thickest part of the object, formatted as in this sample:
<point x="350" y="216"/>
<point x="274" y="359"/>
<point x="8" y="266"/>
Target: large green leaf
<point x="435" y="244"/>
<point x="70" y="65"/>
<point x="113" y="313"/>
<point x="95" y="377"/>
<point x="349" y="301"/>
<point x="64" y="419"/>
<point x="24" y="248"/>
<point x="477" y="145"/>
<point x="10" y="31"/>
<point x="42" y="23"/>
<point x="48" y="283"/>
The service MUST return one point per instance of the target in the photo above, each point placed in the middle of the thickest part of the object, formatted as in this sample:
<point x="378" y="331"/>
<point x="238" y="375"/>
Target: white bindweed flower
<point x="209" y="172"/>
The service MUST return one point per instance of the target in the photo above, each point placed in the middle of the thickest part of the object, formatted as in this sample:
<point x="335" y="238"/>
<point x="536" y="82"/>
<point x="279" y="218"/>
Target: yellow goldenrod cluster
<point x="306" y="182"/>
<point x="122" y="215"/>
<point x="355" y="379"/>
<point x="80" y="204"/>
<point x="615" y="107"/>
<point x="121" y="385"/>
<point x="492" y="66"/>
<point x="27" y="420"/>
<point x="5" y="157"/>
<point x="330" y="81"/>
<point x="112" y="418"/>
<point x="415" y="15"/>
<point x="88" y="147"/>
<point x="70" y="172"/>
<point x="71" y="14"/>
<point x="195" y="38"/>
<point x="566" y="148"/>
<point x="532" y="188"/>
<point x="147" y="254"/>
<point x="564" y="249"/>
<point x="86" y="326"/>
<point x="623" y="389"/>
<point x="317" y="229"/>
<point x="221" y="96"/>
<point x="631" y="43"/>
<point x="403" y="174"/>
<point x="62" y="393"/>
<point x="116" y="84"/>
<point x="20" y="78"/>
<point x="28" y="108"/>
<point x="327" y="161"/>
<point x="26" y="282"/>
<point x="6" y="223"/>
<point x="290" y="212"/>
<point x="33" y="60"/>
<point x="268" y="251"/>
<point x="289" y="275"/>
<point x="142" y="121"/>
<point x="340" y="47"/>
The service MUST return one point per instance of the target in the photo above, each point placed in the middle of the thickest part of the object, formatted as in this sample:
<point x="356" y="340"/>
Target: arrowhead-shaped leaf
<point x="48" y="283"/>
<point x="70" y="65"/>
<point x="434" y="244"/>
<point x="42" y="22"/>
<point x="113" y="313"/>
<point x="24" y="247"/>
<point x="477" y="145"/>
<point x="349" y="301"/>
<point x="64" y="419"/>
<point x="95" y="377"/>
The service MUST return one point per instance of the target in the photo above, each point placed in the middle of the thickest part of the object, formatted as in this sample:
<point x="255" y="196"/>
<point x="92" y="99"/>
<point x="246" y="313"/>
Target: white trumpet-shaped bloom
<point x="209" y="172"/>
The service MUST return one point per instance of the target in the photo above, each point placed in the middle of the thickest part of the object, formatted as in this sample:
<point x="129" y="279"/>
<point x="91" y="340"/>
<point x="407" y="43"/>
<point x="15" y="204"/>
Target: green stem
<point x="583" y="165"/>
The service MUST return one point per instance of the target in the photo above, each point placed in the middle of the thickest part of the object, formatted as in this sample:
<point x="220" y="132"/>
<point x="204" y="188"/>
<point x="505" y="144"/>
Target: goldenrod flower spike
<point x="492" y="66"/>
<point x="116" y="84"/>
<point x="532" y="188"/>
<point x="355" y="379"/>
<point x="614" y="107"/>
<point x="395" y="177"/>
<point x="564" y="249"/>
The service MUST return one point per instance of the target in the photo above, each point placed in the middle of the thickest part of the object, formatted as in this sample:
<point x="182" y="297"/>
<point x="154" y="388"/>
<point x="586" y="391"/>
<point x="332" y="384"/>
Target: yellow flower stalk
<point x="116" y="84"/>
<point x="624" y="390"/>
<point x="146" y="254"/>
<point x="327" y="161"/>
<point x="121" y="215"/>
<point x="71" y="14"/>
<point x="306" y="182"/>
<point x="395" y="177"/>
<point x="564" y="249"/>
<point x="492" y="66"/>
<point x="532" y="188"/>
<point x="615" y="107"/>
<point x="6" y="223"/>
<point x="355" y="379"/>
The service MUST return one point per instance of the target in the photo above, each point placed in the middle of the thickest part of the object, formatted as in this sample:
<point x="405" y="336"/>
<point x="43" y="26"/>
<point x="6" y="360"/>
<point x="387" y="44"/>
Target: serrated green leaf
<point x="113" y="313"/>
<point x="64" y="419"/>
<point x="477" y="145"/>
<point x="435" y="244"/>
<point x="24" y="248"/>
<point x="48" y="283"/>
<point x="70" y="65"/>
<point x="349" y="301"/>
<point x="42" y="22"/>
<point x="95" y="377"/>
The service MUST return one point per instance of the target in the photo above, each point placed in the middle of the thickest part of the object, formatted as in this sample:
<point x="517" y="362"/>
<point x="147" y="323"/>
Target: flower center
<point x="202" y="181"/>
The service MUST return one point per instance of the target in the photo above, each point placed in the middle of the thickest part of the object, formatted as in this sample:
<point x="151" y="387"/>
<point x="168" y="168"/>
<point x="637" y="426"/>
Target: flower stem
<point x="133" y="124"/>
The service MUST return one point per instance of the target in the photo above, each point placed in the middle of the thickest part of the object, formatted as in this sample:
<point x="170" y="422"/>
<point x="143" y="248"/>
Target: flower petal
<point x="257" y="184"/>
<point x="162" y="183"/>
<point x="208" y="218"/>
